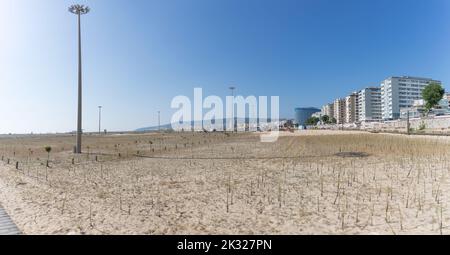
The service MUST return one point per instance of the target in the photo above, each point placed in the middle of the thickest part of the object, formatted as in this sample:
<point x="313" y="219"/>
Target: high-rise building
<point x="339" y="111"/>
<point x="351" y="108"/>
<point x="328" y="110"/>
<point x="369" y="104"/>
<point x="400" y="92"/>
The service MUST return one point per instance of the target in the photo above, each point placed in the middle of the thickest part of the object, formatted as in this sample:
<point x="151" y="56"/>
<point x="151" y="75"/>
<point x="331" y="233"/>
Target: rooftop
<point x="409" y="77"/>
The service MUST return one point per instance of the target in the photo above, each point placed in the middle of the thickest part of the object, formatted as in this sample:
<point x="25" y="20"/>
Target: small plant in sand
<point x="48" y="149"/>
<point x="422" y="126"/>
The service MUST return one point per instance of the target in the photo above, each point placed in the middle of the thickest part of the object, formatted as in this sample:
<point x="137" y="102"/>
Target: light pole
<point x="234" y="120"/>
<point x="232" y="91"/>
<point x="159" y="120"/>
<point x="408" y="125"/>
<point x="79" y="10"/>
<point x="100" y="120"/>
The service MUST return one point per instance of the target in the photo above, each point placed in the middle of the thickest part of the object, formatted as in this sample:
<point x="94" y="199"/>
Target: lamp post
<point x="232" y="90"/>
<point x="100" y="120"/>
<point x="234" y="120"/>
<point x="408" y="125"/>
<point x="159" y="120"/>
<point x="79" y="10"/>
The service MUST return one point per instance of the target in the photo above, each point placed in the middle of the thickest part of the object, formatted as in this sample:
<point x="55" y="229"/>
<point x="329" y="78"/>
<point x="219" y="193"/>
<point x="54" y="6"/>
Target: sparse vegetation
<point x="313" y="121"/>
<point x="422" y="126"/>
<point x="217" y="183"/>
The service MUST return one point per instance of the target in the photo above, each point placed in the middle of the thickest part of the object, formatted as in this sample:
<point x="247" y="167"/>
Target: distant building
<point x="369" y="104"/>
<point x="328" y="110"/>
<point x="351" y="108"/>
<point x="400" y="92"/>
<point x="419" y="103"/>
<point x="317" y="115"/>
<point x="339" y="111"/>
<point x="443" y="108"/>
<point x="303" y="114"/>
<point x="448" y="98"/>
<point x="418" y="109"/>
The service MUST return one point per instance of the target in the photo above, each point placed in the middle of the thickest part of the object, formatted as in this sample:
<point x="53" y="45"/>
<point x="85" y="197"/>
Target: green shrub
<point x="422" y="126"/>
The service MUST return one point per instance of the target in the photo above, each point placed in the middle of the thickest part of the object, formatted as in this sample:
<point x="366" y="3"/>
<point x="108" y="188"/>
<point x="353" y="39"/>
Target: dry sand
<point x="312" y="182"/>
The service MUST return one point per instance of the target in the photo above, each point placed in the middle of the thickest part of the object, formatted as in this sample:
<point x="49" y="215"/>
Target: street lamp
<point x="100" y="120"/>
<point x="232" y="90"/>
<point x="234" y="120"/>
<point x="79" y="10"/>
<point x="159" y="120"/>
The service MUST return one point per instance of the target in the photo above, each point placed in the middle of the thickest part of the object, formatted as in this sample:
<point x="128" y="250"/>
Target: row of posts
<point x="8" y="162"/>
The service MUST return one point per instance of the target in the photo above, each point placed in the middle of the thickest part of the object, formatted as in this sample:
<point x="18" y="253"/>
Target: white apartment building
<point x="351" y="108"/>
<point x="369" y="104"/>
<point x="328" y="110"/>
<point x="418" y="109"/>
<point x="339" y="111"/>
<point x="400" y="92"/>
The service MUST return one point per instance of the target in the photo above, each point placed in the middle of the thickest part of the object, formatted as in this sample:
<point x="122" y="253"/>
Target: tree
<point x="325" y="119"/>
<point x="333" y="121"/>
<point x="312" y="121"/>
<point x="432" y="94"/>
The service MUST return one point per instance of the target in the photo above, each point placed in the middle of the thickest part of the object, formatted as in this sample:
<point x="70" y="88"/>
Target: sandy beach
<point x="312" y="182"/>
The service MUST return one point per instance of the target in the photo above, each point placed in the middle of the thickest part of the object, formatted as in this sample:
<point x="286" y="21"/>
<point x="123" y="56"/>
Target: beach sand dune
<point x="314" y="182"/>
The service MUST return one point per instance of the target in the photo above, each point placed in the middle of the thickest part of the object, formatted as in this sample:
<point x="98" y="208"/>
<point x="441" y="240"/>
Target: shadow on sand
<point x="352" y="154"/>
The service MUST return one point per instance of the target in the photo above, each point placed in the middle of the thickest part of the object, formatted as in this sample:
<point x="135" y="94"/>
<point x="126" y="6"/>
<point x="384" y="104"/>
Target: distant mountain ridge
<point x="193" y="123"/>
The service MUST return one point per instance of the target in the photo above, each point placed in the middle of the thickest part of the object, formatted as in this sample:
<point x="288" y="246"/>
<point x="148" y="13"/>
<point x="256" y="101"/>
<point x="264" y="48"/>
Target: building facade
<point x="369" y="104"/>
<point x="418" y="109"/>
<point x="351" y="108"/>
<point x="339" y="111"/>
<point x="303" y="114"/>
<point x="318" y="115"/>
<point x="400" y="92"/>
<point x="328" y="110"/>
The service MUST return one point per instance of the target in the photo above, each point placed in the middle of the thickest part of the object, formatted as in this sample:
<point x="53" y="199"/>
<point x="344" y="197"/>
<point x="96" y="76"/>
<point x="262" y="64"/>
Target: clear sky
<point x="139" y="54"/>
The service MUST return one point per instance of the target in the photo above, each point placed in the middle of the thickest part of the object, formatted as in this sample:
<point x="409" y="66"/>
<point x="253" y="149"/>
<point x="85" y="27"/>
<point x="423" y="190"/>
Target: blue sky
<point x="140" y="54"/>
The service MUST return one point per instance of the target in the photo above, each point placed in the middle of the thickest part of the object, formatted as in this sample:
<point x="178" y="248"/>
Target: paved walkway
<point x="7" y="226"/>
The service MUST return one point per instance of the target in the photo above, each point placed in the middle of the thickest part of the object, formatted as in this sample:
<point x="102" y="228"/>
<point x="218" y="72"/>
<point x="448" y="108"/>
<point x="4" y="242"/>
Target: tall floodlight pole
<point x="99" y="119"/>
<point x="159" y="120"/>
<point x="79" y="10"/>
<point x="232" y="91"/>
<point x="234" y="120"/>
